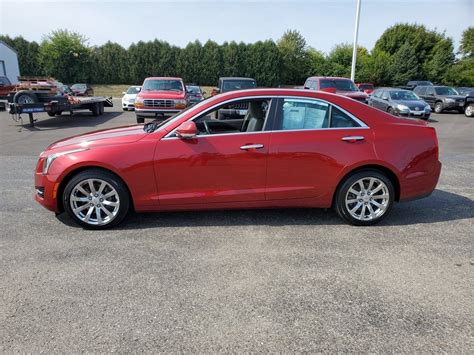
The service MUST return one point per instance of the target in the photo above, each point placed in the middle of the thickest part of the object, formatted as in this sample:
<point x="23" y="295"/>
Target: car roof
<point x="328" y="77"/>
<point x="235" y="78"/>
<point x="163" y="78"/>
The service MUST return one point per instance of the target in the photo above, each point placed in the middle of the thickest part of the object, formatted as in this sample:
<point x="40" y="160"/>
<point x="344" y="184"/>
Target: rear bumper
<point x="419" y="185"/>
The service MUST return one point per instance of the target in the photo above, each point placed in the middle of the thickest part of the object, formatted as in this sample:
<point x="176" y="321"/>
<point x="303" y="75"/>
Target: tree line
<point x="403" y="52"/>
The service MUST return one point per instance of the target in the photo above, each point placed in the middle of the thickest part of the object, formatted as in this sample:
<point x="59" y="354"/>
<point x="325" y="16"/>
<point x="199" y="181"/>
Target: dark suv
<point x="227" y="84"/>
<point x="441" y="98"/>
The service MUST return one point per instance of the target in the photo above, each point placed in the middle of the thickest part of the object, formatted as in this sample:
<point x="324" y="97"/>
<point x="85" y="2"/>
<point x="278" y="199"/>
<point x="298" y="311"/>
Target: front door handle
<point x="353" y="139"/>
<point x="251" y="146"/>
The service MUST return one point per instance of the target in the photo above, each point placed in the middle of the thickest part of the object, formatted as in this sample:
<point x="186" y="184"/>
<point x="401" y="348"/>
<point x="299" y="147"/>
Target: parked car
<point x="469" y="104"/>
<point x="368" y="88"/>
<point x="293" y="148"/>
<point x="228" y="84"/>
<point x="160" y="97"/>
<point x="82" y="90"/>
<point x="195" y="93"/>
<point x="400" y="102"/>
<point x="411" y="85"/>
<point x="128" y="98"/>
<point x="65" y="90"/>
<point x="6" y="87"/>
<point x="464" y="90"/>
<point x="441" y="98"/>
<point x="340" y="86"/>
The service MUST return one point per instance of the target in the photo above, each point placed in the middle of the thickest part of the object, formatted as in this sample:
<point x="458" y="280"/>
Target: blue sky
<point x="323" y="23"/>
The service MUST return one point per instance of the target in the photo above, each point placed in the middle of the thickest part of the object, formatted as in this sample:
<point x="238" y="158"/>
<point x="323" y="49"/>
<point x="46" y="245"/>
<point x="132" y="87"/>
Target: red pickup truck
<point x="340" y="86"/>
<point x="160" y="97"/>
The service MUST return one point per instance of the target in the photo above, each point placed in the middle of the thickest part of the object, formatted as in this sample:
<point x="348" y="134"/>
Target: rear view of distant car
<point x="195" y="93"/>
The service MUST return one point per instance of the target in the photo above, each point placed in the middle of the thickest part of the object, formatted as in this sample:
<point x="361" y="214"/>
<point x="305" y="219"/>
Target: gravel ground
<point x="269" y="280"/>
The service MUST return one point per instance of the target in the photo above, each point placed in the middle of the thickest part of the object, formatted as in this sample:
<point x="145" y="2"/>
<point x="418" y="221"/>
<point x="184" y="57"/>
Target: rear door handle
<point x="251" y="146"/>
<point x="352" y="139"/>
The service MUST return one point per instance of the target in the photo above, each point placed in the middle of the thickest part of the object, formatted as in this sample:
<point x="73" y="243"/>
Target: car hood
<point x="129" y="96"/>
<point x="353" y="94"/>
<point x="412" y="104"/>
<point x="169" y="95"/>
<point x="120" y="135"/>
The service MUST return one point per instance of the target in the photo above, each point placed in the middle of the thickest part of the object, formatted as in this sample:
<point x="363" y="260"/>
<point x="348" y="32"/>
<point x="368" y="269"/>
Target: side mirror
<point x="330" y="90"/>
<point x="187" y="130"/>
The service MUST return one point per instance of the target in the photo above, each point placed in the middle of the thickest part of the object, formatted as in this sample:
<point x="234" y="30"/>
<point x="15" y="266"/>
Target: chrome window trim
<point x="361" y="123"/>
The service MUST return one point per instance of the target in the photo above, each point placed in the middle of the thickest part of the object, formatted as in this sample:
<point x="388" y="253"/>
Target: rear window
<point x="339" y="84"/>
<point x="162" y="85"/>
<point x="366" y="87"/>
<point x="231" y="85"/>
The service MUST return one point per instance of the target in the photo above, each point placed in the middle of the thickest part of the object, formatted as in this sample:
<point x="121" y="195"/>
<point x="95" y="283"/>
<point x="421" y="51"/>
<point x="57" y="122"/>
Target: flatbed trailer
<point x="55" y="105"/>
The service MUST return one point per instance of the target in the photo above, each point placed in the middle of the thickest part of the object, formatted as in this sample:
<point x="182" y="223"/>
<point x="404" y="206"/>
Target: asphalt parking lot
<point x="268" y="280"/>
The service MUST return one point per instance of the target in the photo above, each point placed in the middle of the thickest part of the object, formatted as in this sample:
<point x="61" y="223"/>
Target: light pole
<point x="354" y="49"/>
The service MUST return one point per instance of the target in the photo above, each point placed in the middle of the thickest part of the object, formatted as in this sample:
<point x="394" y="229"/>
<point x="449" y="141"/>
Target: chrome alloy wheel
<point x="367" y="199"/>
<point x="95" y="202"/>
<point x="25" y="99"/>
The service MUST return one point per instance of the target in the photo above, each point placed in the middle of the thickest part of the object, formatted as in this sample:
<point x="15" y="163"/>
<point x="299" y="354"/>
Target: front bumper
<point x="415" y="114"/>
<point x="129" y="105"/>
<point x="155" y="112"/>
<point x="453" y="105"/>
<point x="46" y="190"/>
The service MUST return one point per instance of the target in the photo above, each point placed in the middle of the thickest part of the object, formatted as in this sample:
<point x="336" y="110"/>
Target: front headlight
<point x="180" y="103"/>
<point x="139" y="102"/>
<point x="449" y="101"/>
<point x="402" y="107"/>
<point x="427" y="108"/>
<point x="50" y="158"/>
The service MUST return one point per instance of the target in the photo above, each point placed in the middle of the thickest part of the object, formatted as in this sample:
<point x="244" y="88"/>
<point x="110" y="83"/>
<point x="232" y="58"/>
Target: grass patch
<point x="116" y="90"/>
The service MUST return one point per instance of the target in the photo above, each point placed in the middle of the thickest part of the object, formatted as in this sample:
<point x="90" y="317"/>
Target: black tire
<point x="469" y="111"/>
<point x="51" y="113"/>
<point x="25" y="97"/>
<point x="101" y="108"/>
<point x="342" y="192"/>
<point x="438" y="107"/>
<point x="111" y="179"/>
<point x="124" y="109"/>
<point x="59" y="113"/>
<point x="95" y="109"/>
<point x="140" y="119"/>
<point x="390" y="111"/>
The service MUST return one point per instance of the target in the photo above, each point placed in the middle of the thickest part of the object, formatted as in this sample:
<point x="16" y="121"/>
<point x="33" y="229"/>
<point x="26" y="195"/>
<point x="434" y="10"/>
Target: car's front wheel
<point x="96" y="199"/>
<point x="438" y="108"/>
<point x="469" y="111"/>
<point x="365" y="198"/>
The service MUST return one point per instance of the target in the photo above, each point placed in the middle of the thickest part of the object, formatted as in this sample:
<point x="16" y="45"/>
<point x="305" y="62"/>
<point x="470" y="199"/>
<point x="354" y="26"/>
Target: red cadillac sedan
<point x="288" y="148"/>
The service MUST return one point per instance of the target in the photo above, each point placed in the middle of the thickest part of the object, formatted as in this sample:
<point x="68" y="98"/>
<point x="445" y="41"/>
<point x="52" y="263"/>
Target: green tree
<point x="187" y="64"/>
<point x="404" y="65"/>
<point x="263" y="63"/>
<point x="66" y="56"/>
<point x="111" y="64"/>
<point x="296" y="63"/>
<point x="319" y="64"/>
<point x="442" y="58"/>
<point x="210" y="63"/>
<point x="467" y="43"/>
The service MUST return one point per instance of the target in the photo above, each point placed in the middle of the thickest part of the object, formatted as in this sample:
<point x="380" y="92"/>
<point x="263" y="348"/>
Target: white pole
<point x="354" y="49"/>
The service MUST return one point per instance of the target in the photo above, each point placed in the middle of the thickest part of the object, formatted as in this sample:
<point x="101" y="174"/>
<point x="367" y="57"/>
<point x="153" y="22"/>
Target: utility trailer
<point x="55" y="105"/>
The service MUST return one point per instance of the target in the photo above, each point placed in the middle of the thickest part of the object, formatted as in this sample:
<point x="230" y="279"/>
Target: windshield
<point x="193" y="89"/>
<point x="403" y="95"/>
<point x="231" y="85"/>
<point x="445" y="90"/>
<point x="340" y="85"/>
<point x="133" y="90"/>
<point x="162" y="85"/>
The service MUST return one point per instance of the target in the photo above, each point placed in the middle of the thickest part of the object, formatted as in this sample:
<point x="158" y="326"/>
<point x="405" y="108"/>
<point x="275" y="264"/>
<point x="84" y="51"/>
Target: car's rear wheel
<point x="469" y="111"/>
<point x="438" y="108"/>
<point x="96" y="199"/>
<point x="365" y="198"/>
<point x="390" y="111"/>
